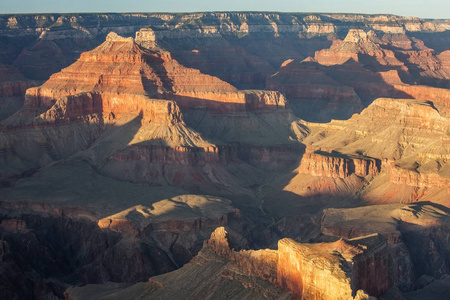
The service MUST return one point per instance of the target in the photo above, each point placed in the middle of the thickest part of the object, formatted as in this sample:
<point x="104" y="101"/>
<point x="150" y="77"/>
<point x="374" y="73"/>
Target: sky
<point x="437" y="9"/>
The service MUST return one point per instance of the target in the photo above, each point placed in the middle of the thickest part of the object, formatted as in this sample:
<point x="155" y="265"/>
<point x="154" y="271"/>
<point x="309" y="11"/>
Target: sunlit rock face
<point x="345" y="269"/>
<point x="334" y="270"/>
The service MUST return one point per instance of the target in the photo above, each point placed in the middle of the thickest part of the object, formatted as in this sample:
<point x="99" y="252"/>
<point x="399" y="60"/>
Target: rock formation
<point x="339" y="270"/>
<point x="334" y="270"/>
<point x="81" y="251"/>
<point x="321" y="163"/>
<point x="120" y="165"/>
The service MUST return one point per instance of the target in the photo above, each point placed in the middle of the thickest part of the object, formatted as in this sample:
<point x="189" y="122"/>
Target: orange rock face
<point x="111" y="106"/>
<point x="190" y="156"/>
<point x="120" y="78"/>
<point x="416" y="179"/>
<point x="356" y="46"/>
<point x="315" y="271"/>
<point x="329" y="165"/>
<point x="437" y="95"/>
<point x="334" y="270"/>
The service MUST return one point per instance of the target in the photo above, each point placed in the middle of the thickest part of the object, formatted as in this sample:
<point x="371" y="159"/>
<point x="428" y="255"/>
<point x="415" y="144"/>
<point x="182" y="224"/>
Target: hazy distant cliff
<point x="40" y="45"/>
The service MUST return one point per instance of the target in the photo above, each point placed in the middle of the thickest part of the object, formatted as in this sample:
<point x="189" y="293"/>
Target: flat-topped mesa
<point x="146" y="38"/>
<point x="339" y="270"/>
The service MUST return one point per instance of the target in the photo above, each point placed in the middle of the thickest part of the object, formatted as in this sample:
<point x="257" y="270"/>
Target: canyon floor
<point x="224" y="156"/>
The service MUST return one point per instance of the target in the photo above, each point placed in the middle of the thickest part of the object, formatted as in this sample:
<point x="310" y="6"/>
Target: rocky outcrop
<point x="67" y="247"/>
<point x="417" y="179"/>
<point x="415" y="233"/>
<point x="333" y="164"/>
<point x="339" y="270"/>
<point x="111" y="106"/>
<point x="121" y="67"/>
<point x="356" y="46"/>
<point x="335" y="270"/>
<point x="408" y="139"/>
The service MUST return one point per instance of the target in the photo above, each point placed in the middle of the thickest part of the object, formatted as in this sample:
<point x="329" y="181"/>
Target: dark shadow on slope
<point x="245" y="62"/>
<point x="439" y="41"/>
<point x="319" y="93"/>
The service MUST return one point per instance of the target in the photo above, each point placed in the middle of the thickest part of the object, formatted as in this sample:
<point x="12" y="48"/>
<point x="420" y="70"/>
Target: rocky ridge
<point x="248" y="267"/>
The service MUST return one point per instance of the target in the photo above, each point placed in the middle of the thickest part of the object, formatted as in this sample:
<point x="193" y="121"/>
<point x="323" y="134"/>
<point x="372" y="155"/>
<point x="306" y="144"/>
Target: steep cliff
<point x="334" y="270"/>
<point x="330" y="164"/>
<point x="408" y="135"/>
<point x="415" y="234"/>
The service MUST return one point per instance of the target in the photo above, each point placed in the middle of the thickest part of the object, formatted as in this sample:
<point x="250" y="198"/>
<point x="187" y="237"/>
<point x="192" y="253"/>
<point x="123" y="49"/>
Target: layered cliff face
<point x="409" y="137"/>
<point x="339" y="270"/>
<point x="307" y="271"/>
<point x="121" y="66"/>
<point x="326" y="164"/>
<point x="403" y="226"/>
